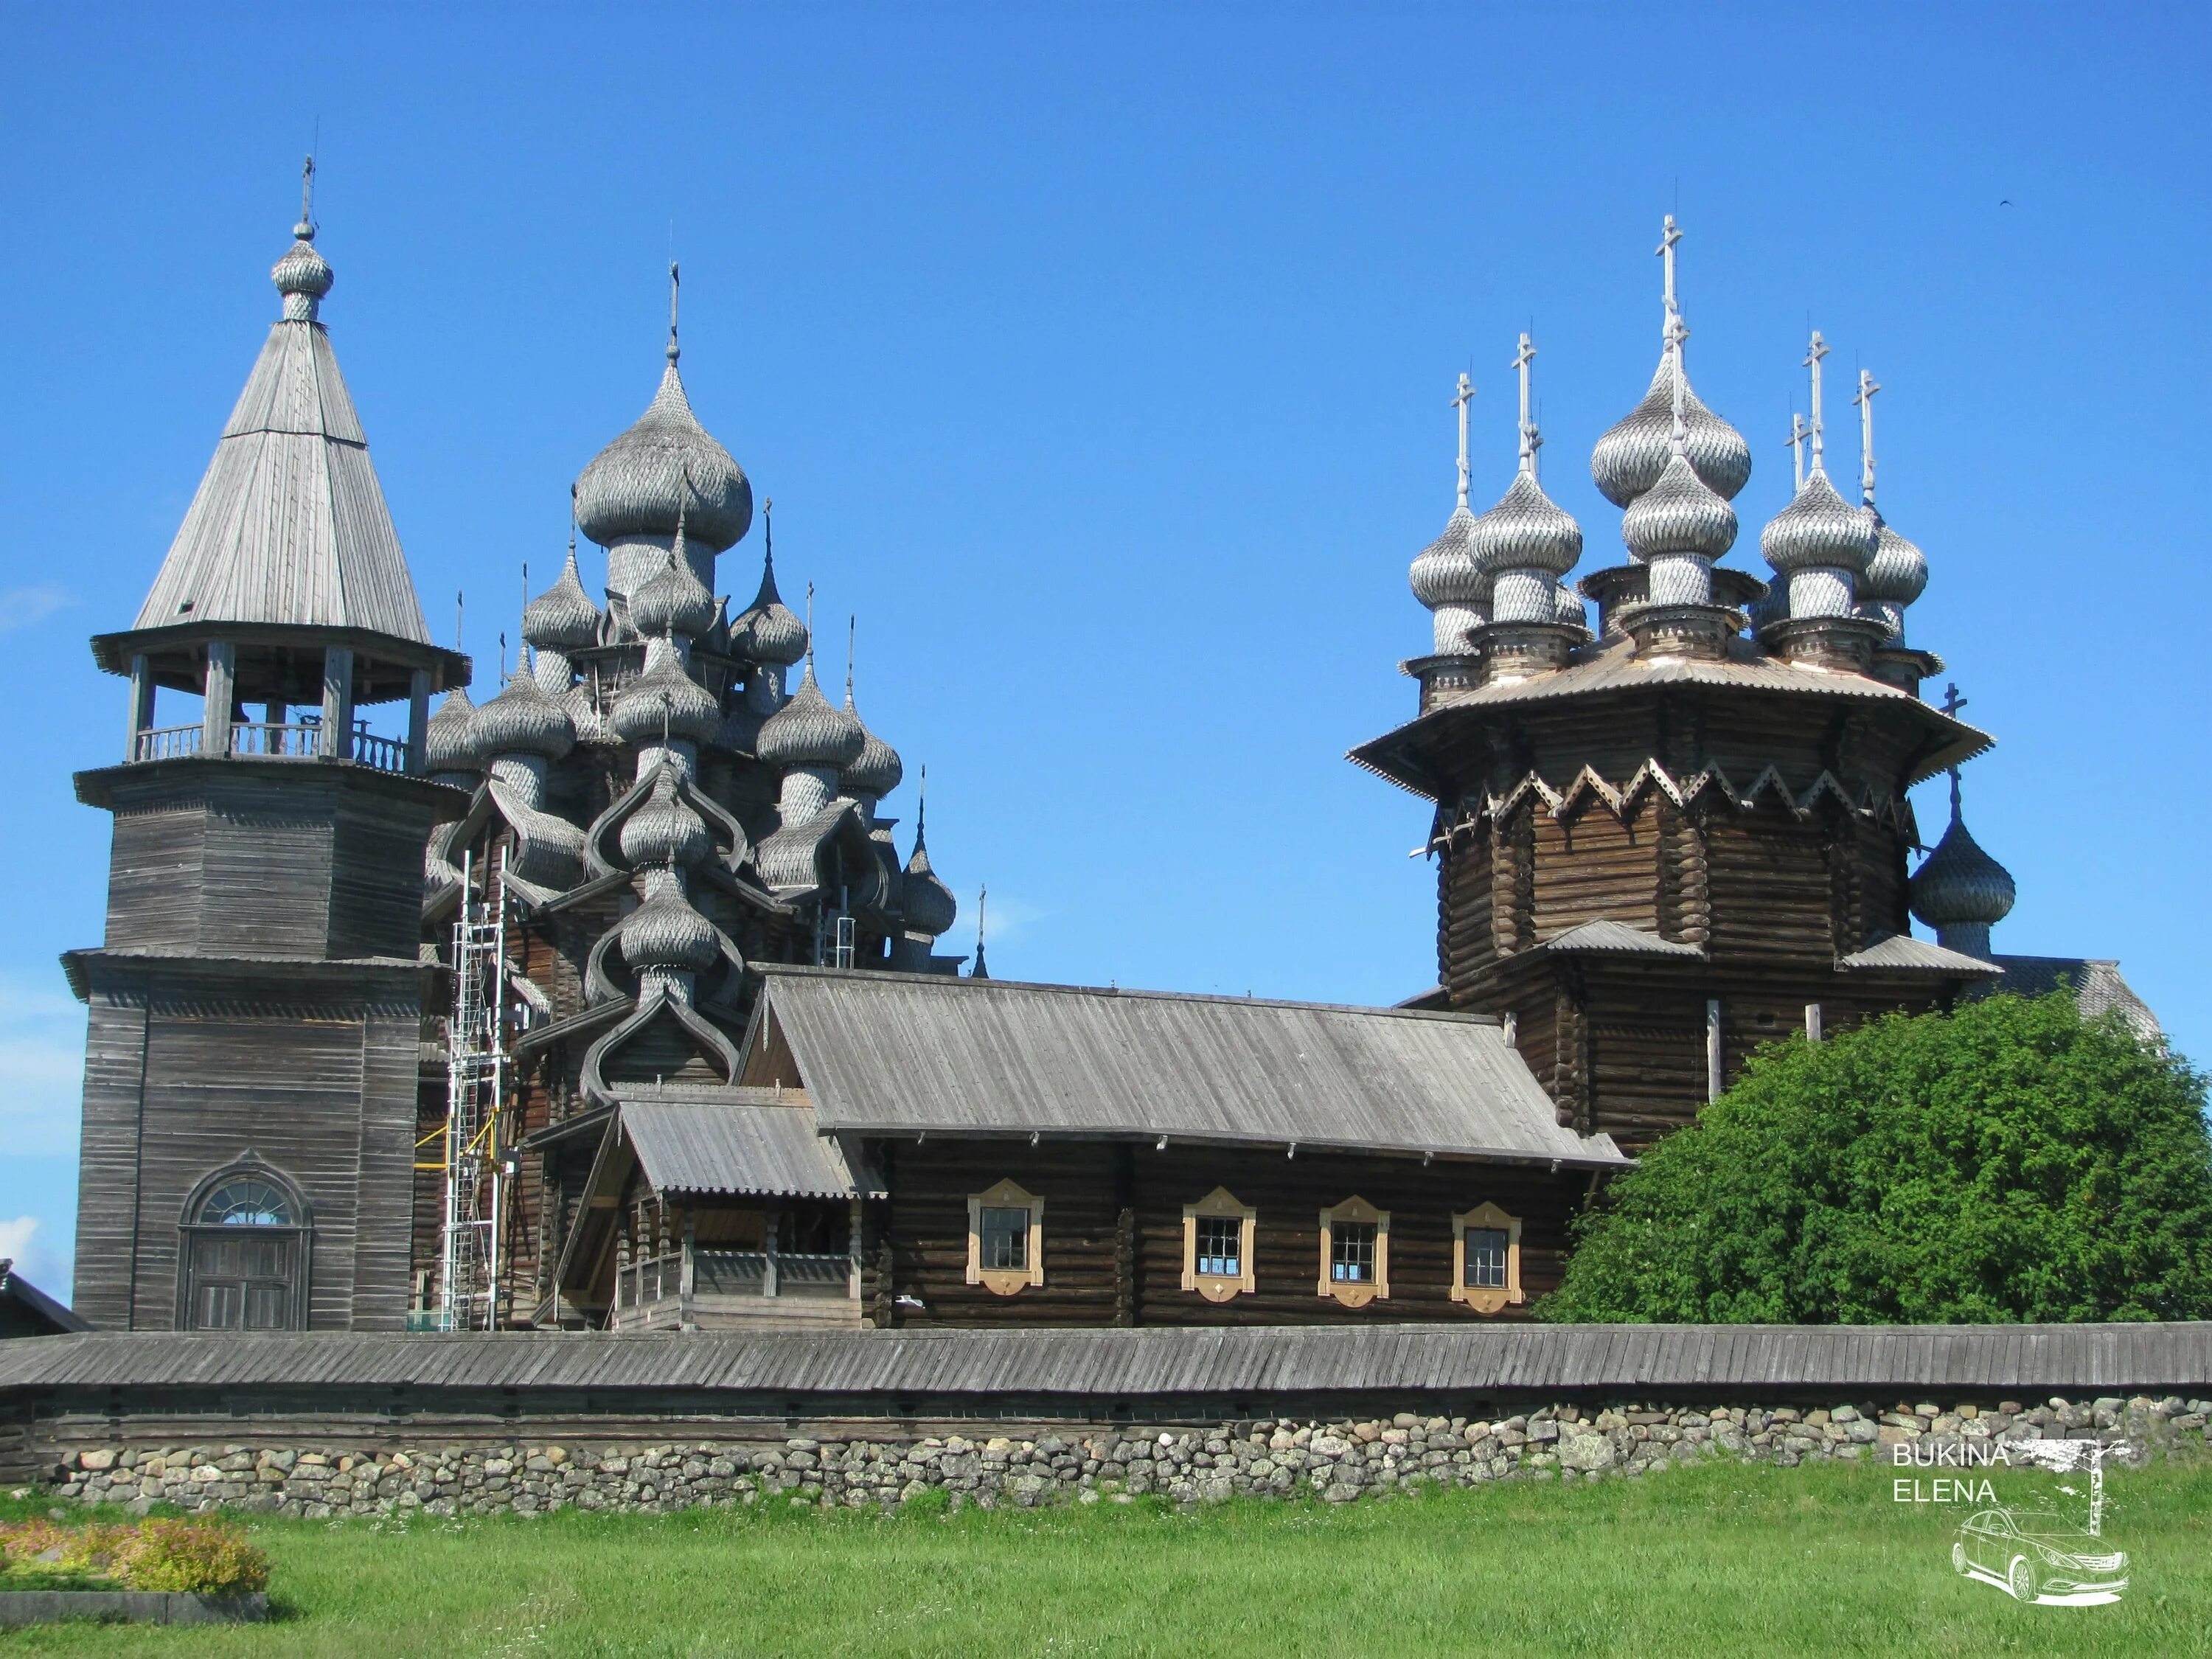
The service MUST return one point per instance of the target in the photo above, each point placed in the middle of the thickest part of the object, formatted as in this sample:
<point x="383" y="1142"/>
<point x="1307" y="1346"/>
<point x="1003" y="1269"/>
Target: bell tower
<point x="255" y="1004"/>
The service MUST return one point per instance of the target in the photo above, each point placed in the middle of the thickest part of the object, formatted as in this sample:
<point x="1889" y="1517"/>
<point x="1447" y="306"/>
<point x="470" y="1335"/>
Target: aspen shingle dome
<point x="767" y="632"/>
<point x="665" y="689"/>
<point x="1897" y="573"/>
<point x="562" y="618"/>
<point x="673" y="600"/>
<point x="449" y="739"/>
<point x="636" y="485"/>
<point x="1959" y="883"/>
<point x="1629" y="458"/>
<point x="1679" y="514"/>
<point x="1818" y="530"/>
<point x="808" y="732"/>
<point x="665" y="830"/>
<point x="522" y="721"/>
<point x="878" y="768"/>
<point x="666" y="933"/>
<point x="926" y="903"/>
<point x="1526" y="531"/>
<point x="1446" y="572"/>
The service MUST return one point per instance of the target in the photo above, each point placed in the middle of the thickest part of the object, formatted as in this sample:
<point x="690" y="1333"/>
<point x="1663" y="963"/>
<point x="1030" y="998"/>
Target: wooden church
<point x="610" y="1002"/>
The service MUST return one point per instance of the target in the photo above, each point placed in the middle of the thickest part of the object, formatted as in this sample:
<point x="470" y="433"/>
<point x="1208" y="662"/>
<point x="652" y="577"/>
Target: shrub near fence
<point x="1336" y="1461"/>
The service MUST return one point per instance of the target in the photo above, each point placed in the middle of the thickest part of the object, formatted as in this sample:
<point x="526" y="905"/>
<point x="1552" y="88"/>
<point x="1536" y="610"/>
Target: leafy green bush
<point x="2011" y="1161"/>
<point x="204" y="1556"/>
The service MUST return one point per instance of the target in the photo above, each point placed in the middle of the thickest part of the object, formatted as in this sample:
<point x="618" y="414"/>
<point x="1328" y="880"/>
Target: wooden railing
<point x="292" y="741"/>
<point x="734" y="1273"/>
<point x="167" y="742"/>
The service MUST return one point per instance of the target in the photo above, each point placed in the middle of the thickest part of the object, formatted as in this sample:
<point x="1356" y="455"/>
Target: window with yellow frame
<point x="1005" y="1239"/>
<point x="1217" y="1246"/>
<point x="1355" y="1253"/>
<point x="1486" y="1259"/>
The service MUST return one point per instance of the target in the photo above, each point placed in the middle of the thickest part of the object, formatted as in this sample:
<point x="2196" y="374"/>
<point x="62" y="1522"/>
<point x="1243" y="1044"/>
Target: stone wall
<point x="1338" y="1461"/>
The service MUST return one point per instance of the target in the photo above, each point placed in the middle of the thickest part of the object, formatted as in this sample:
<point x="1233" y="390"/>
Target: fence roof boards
<point x="1091" y="1369"/>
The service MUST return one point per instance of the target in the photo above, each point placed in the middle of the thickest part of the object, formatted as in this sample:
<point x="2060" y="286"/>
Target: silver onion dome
<point x="673" y="600"/>
<point x="1526" y="531"/>
<point x="636" y="485"/>
<point x="1679" y="514"/>
<point x="665" y="830"/>
<point x="1897" y="573"/>
<point x="522" y="721"/>
<point x="1959" y="882"/>
<point x="449" y="737"/>
<point x="303" y="276"/>
<point x="1572" y="611"/>
<point x="584" y="714"/>
<point x="926" y="903"/>
<point x="1445" y="572"/>
<point x="1629" y="458"/>
<point x="878" y="769"/>
<point x="666" y="933"/>
<point x="1818" y="530"/>
<point x="562" y="618"/>
<point x="808" y="732"/>
<point x="767" y="633"/>
<point x="665" y="692"/>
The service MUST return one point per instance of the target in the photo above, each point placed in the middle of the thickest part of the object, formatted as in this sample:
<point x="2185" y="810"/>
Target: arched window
<point x="246" y="1200"/>
<point x="246" y="1247"/>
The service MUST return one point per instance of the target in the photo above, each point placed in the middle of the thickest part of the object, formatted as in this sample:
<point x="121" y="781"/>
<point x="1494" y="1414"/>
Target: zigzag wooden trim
<point x="1864" y="801"/>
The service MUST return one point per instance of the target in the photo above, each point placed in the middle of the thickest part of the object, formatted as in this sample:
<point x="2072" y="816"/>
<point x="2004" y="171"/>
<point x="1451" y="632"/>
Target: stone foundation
<point x="1337" y="1461"/>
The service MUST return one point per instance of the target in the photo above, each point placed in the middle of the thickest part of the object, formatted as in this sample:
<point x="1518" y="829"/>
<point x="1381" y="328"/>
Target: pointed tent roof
<point x="289" y="524"/>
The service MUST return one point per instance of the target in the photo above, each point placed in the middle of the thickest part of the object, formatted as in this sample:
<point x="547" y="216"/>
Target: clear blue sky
<point x="1098" y="357"/>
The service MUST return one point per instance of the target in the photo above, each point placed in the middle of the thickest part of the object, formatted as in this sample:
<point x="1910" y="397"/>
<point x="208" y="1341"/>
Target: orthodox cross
<point x="852" y="627"/>
<point x="308" y="199"/>
<point x="1670" y="235"/>
<point x="675" y="289"/>
<point x="1461" y="397"/>
<point x="1814" y="353"/>
<point x="1677" y="331"/>
<point x="1952" y="703"/>
<point x="1798" y="433"/>
<point x="1864" y="399"/>
<point x="1530" y="442"/>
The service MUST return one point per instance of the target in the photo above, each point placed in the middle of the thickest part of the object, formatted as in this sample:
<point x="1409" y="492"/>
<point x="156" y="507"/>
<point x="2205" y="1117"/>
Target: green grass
<point x="1706" y="1561"/>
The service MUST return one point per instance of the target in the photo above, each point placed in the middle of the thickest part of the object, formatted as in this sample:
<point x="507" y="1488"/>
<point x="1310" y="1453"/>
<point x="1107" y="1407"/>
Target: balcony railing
<point x="256" y="740"/>
<point x="734" y="1273"/>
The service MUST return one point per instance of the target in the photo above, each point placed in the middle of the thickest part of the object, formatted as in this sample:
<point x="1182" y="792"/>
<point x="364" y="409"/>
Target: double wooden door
<point x="243" y="1279"/>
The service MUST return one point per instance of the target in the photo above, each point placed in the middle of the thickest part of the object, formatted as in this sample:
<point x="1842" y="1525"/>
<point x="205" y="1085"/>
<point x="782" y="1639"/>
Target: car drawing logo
<point x="2035" y="1554"/>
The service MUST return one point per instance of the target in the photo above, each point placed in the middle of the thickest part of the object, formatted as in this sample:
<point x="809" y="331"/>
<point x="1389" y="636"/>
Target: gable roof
<point x="25" y="1309"/>
<point x="1610" y="937"/>
<point x="289" y="524"/>
<point x="737" y="1145"/>
<point x="885" y="1054"/>
<point x="2096" y="984"/>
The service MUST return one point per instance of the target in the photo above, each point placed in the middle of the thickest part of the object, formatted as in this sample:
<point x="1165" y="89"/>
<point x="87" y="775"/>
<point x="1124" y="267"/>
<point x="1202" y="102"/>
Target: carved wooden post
<point x="769" y="1285"/>
<point x="1713" y="1049"/>
<point x="220" y="697"/>
<point x="853" y="1251"/>
<point x="687" y="1282"/>
<point x="141" y="704"/>
<point x="1125" y="1267"/>
<point x="337" y="703"/>
<point x="419" y="720"/>
<point x="622" y="1271"/>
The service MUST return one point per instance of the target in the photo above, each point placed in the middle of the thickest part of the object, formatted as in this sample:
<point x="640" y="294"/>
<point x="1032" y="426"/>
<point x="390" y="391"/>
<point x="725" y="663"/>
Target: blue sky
<point x="1098" y="357"/>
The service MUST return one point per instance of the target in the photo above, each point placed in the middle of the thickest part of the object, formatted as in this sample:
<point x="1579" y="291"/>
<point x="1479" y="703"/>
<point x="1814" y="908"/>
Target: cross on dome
<point x="1669" y="237"/>
<point x="1799" y="432"/>
<point x="305" y="230"/>
<point x="1814" y="353"/>
<point x="1460" y="398"/>
<point x="675" y="293"/>
<point x="1531" y="439"/>
<point x="1864" y="399"/>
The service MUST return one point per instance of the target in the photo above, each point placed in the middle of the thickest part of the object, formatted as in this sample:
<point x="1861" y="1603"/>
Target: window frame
<point x="1005" y="1281"/>
<point x="1220" y="1204"/>
<point x="1356" y="1294"/>
<point x="298" y="1235"/>
<point x="1486" y="1299"/>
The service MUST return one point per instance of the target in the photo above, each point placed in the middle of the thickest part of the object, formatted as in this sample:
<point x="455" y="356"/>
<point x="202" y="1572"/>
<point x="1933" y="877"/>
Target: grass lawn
<point x="1703" y="1561"/>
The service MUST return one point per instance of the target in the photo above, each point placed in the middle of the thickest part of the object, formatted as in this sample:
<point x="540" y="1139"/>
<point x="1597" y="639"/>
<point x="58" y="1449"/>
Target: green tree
<point x="2011" y="1161"/>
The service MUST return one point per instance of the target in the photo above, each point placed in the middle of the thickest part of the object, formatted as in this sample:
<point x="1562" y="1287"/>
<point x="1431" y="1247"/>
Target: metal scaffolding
<point x="470" y="1239"/>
